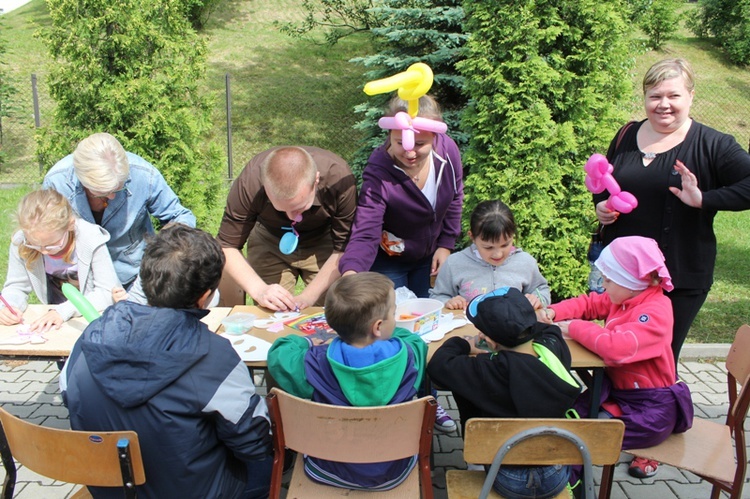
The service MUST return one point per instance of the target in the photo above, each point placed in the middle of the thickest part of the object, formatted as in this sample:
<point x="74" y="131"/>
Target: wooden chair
<point x="706" y="448"/>
<point x="102" y="459"/>
<point x="352" y="435"/>
<point x="536" y="442"/>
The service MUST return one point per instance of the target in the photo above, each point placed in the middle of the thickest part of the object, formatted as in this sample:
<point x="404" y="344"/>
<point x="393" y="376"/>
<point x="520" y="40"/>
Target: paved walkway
<point x="30" y="390"/>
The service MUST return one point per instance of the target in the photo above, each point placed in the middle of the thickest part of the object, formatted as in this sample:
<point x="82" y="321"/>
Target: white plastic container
<point x="238" y="323"/>
<point x="420" y="315"/>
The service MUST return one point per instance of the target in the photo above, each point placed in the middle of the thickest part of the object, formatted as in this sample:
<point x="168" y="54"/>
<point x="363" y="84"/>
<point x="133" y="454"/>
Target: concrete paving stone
<point x="453" y="459"/>
<point x="716" y="398"/>
<point x="60" y="424"/>
<point x="23" y="411"/>
<point x="47" y="398"/>
<point x="701" y="387"/>
<point x="692" y="491"/>
<point x="717" y="386"/>
<point x="13" y="386"/>
<point x="24" y="474"/>
<point x="15" y="398"/>
<point x="658" y="490"/>
<point x="447" y="443"/>
<point x="32" y="365"/>
<point x="40" y="376"/>
<point x="9" y="374"/>
<point x="689" y="378"/>
<point x="713" y="412"/>
<point x="47" y="410"/>
<point x="38" y="387"/>
<point x="36" y="491"/>
<point x="699" y="367"/>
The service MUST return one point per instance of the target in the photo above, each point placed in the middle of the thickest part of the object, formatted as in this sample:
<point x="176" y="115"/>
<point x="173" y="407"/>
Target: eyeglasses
<point x="51" y="248"/>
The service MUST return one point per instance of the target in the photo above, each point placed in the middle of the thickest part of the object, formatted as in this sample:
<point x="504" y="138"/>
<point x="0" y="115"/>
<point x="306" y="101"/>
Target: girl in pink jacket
<point x="641" y="387"/>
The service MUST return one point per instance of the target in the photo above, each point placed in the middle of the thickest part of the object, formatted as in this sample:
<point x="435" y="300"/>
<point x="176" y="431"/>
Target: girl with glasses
<point x="52" y="247"/>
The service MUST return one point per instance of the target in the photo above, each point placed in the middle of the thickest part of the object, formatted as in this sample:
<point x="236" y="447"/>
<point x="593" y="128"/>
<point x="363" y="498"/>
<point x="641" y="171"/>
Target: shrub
<point x="131" y="68"/>
<point x="660" y="21"/>
<point x="728" y="21"/>
<point x="548" y="81"/>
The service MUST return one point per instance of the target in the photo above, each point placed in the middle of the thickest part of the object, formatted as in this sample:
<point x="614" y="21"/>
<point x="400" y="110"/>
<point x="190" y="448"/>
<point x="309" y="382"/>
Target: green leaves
<point x="132" y="68"/>
<point x="548" y="86"/>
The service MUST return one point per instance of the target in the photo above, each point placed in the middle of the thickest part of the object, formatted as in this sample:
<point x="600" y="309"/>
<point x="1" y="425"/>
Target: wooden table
<point x="60" y="341"/>
<point x="582" y="359"/>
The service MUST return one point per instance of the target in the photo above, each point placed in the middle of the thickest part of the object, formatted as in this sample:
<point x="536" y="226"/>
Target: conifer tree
<point x="548" y="80"/>
<point x="428" y="31"/>
<point x="131" y="68"/>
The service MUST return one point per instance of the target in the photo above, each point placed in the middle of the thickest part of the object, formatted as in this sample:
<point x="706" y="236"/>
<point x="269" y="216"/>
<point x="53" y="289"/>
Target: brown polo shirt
<point x="331" y="212"/>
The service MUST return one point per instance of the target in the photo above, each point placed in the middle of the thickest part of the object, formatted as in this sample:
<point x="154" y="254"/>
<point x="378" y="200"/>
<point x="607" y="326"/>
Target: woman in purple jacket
<point x="409" y="211"/>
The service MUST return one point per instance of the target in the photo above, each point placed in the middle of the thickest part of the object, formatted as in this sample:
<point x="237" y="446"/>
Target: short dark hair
<point x="355" y="302"/>
<point x="492" y="220"/>
<point x="179" y="265"/>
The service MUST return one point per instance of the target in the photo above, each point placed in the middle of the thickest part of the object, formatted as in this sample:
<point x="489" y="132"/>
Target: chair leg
<point x="605" y="489"/>
<point x="9" y="485"/>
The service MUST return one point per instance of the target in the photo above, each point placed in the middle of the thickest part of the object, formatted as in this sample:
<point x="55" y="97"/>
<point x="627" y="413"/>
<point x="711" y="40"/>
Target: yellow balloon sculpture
<point x="411" y="85"/>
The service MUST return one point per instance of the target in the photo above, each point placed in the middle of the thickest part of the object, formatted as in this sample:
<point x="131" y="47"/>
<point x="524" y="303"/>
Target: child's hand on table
<point x="46" y="322"/>
<point x="456" y="303"/>
<point x="8" y="318"/>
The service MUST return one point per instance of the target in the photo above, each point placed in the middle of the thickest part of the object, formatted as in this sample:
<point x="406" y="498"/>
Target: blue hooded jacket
<point x="182" y="388"/>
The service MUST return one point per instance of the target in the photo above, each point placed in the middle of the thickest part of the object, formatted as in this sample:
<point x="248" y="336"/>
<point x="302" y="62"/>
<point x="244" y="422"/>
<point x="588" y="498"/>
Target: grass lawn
<point x="287" y="91"/>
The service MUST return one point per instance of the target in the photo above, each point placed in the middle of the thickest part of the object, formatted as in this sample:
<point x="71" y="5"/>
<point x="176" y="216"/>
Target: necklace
<point x="649" y="155"/>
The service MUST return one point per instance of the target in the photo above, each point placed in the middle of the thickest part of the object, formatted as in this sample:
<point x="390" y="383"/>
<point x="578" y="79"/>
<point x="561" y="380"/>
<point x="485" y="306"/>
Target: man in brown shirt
<point x="285" y="189"/>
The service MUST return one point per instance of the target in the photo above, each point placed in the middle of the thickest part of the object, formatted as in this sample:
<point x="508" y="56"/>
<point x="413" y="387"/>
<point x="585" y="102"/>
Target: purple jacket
<point x="389" y="200"/>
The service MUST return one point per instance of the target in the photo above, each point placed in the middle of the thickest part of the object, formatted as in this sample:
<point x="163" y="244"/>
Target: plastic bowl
<point x="238" y="323"/>
<point x="419" y="315"/>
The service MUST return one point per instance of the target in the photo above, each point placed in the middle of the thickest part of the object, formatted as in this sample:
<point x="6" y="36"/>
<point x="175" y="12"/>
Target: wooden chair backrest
<point x="485" y="436"/>
<point x="738" y="366"/>
<point x="349" y="434"/>
<point x="82" y="457"/>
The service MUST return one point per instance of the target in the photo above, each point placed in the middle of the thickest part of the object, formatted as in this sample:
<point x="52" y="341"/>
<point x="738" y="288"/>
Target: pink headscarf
<point x="629" y="262"/>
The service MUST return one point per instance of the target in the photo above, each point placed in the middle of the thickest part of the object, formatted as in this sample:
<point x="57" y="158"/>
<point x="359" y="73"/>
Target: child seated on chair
<point x="158" y="370"/>
<point x="640" y="385"/>
<point x="370" y="363"/>
<point x="524" y="375"/>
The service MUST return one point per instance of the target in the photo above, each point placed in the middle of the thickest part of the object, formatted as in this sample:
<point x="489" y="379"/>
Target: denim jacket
<point x="127" y="217"/>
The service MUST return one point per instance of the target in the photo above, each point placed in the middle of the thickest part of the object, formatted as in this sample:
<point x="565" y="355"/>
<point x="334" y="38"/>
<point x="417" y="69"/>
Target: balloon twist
<point x="411" y="85"/>
<point x="599" y="177"/>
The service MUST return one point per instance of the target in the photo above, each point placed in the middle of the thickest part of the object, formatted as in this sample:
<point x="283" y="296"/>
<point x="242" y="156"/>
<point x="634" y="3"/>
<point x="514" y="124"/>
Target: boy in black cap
<point x="526" y="374"/>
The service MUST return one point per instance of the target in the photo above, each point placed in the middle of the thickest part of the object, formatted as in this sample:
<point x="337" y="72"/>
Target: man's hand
<point x="275" y="297"/>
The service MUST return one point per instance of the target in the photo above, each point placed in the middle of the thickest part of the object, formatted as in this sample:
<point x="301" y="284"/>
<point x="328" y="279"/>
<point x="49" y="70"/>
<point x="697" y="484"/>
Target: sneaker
<point x="641" y="467"/>
<point x="443" y="421"/>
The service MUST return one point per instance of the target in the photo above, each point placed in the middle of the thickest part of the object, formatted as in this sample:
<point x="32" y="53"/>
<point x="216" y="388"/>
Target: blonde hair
<point x="286" y="169"/>
<point x="667" y="69"/>
<point x="428" y="107"/>
<point x="45" y="210"/>
<point x="355" y="302"/>
<point x="100" y="163"/>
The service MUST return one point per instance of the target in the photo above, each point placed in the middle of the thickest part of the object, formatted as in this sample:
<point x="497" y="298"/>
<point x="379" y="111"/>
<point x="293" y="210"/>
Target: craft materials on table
<point x="313" y="326"/>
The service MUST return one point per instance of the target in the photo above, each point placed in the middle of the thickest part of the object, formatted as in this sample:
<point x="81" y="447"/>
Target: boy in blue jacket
<point x="157" y="369"/>
<point x="370" y="363"/>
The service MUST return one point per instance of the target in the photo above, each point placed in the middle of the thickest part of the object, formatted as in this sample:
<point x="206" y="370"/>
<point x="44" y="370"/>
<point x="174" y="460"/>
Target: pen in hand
<point x="12" y="310"/>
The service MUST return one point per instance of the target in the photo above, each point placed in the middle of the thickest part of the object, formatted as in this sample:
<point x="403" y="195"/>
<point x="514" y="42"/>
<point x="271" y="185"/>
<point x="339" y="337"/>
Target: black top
<point x="685" y="235"/>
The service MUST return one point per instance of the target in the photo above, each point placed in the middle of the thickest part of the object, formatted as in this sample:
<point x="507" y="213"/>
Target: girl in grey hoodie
<point x="491" y="262"/>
